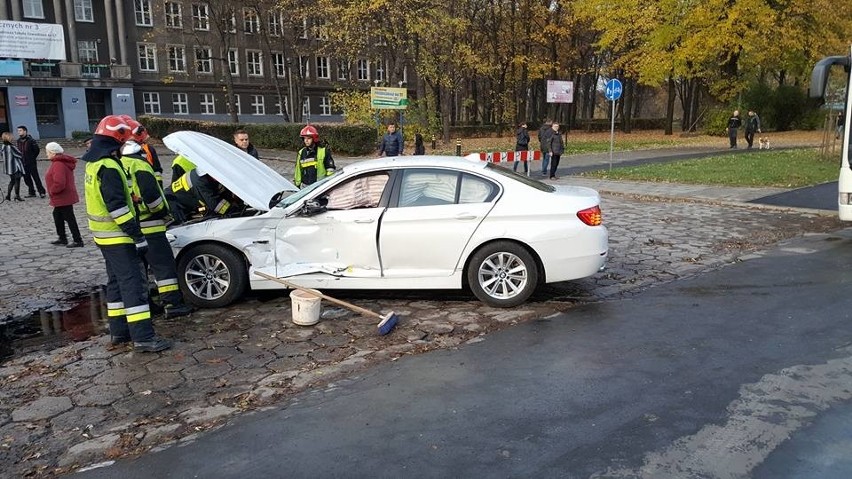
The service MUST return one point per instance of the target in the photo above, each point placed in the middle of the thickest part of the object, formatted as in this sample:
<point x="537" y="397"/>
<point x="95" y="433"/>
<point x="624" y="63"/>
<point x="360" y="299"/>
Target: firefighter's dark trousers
<point x="162" y="262"/>
<point x="126" y="295"/>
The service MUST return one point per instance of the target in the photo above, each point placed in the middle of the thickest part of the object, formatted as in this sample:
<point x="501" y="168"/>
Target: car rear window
<point x="518" y="177"/>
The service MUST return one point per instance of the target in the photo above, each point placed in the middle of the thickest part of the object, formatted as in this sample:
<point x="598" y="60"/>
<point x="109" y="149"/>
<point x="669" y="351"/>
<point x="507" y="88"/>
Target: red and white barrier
<point x="507" y="156"/>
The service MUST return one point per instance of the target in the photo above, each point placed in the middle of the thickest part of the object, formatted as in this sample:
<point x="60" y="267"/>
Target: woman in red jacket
<point x="63" y="194"/>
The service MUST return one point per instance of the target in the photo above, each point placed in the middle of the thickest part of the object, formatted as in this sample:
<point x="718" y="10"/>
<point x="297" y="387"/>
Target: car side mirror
<point x="314" y="207"/>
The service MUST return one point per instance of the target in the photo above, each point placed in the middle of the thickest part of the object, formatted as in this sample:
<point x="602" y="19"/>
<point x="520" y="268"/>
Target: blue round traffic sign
<point x="613" y="89"/>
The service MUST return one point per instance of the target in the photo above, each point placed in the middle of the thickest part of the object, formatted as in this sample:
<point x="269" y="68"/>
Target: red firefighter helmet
<point x="116" y="127"/>
<point x="138" y="132"/>
<point x="309" y="132"/>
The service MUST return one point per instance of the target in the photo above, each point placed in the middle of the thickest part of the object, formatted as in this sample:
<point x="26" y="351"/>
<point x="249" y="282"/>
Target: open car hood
<point x="248" y="178"/>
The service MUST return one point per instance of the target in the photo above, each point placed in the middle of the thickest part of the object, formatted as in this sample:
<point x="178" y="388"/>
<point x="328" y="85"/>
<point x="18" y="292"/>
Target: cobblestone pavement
<point x="83" y="402"/>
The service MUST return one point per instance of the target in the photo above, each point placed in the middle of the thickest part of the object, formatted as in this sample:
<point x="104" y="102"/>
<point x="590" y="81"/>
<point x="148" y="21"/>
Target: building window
<point x="237" y="104"/>
<point x="279" y="64"/>
<point x="282" y="106"/>
<point x="203" y="62"/>
<point x="304" y="68"/>
<point x="33" y="9"/>
<point x="275" y="29"/>
<point x="147" y="57"/>
<point x="232" y="23"/>
<point x="380" y="70"/>
<point x="151" y="103"/>
<point x="87" y="50"/>
<point x="303" y="33"/>
<point x="177" y="58"/>
<point x="322" y="68"/>
<point x="306" y="107"/>
<point x="200" y="17"/>
<point x="342" y="70"/>
<point x="405" y="74"/>
<point x="363" y="70"/>
<point x="234" y="61"/>
<point x="251" y="22"/>
<point x="254" y="63"/>
<point x="325" y="106"/>
<point x="83" y="11"/>
<point x="180" y="103"/>
<point x="174" y="15"/>
<point x="258" y="105"/>
<point x="208" y="104"/>
<point x="143" y="13"/>
<point x="320" y="30"/>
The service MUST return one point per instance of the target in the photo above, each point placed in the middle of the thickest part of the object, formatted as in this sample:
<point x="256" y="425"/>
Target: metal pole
<point x="612" y="134"/>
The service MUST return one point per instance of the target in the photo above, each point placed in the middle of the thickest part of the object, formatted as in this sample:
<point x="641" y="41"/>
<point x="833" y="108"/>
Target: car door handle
<point x="260" y="241"/>
<point x="465" y="216"/>
<point x="365" y="221"/>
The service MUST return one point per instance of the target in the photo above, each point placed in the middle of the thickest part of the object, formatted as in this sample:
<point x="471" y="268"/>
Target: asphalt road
<point x="702" y="378"/>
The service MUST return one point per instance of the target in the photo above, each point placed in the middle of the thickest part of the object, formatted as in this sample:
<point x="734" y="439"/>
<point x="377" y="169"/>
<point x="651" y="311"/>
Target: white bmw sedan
<point x="413" y="223"/>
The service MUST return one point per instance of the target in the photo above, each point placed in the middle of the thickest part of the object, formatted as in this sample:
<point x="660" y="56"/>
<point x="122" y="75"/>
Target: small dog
<point x="763" y="143"/>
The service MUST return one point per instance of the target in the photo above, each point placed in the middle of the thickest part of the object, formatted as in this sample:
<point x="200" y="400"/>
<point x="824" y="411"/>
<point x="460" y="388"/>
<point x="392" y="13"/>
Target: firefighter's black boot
<point x="144" y="339"/>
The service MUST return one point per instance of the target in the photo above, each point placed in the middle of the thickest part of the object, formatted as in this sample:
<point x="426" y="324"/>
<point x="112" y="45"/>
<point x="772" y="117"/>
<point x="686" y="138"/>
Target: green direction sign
<point x="382" y="98"/>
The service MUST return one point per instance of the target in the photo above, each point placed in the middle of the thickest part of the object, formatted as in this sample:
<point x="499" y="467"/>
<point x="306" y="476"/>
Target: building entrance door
<point x="97" y="106"/>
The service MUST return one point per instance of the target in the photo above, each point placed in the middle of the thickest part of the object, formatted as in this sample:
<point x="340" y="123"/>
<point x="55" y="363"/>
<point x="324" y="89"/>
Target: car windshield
<point x="518" y="177"/>
<point x="302" y="193"/>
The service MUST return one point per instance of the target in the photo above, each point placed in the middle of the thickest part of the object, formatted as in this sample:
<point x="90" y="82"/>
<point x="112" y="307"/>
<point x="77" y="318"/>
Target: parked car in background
<point x="413" y="223"/>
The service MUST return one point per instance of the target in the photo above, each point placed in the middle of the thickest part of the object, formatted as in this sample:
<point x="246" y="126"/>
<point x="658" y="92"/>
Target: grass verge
<point x="783" y="169"/>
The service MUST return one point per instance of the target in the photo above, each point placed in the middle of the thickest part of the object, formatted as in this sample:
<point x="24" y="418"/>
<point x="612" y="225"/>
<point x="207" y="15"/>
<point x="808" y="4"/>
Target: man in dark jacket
<point x="29" y="149"/>
<point x="734" y="124"/>
<point x="522" y="143"/>
<point x="392" y="142"/>
<point x="241" y="139"/>
<point x="752" y="127"/>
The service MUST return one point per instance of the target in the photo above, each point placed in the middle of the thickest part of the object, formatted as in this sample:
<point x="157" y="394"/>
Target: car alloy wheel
<point x="502" y="274"/>
<point x="212" y="275"/>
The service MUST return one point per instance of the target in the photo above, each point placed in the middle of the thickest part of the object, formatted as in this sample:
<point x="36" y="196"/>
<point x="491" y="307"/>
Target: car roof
<point x="424" y="161"/>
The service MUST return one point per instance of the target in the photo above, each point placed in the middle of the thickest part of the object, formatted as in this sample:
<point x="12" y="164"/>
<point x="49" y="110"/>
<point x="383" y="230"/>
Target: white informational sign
<point x="382" y="98"/>
<point x="559" y="91"/>
<point x="31" y="40"/>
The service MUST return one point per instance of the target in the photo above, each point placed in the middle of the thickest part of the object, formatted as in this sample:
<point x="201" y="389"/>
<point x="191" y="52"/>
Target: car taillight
<point x="591" y="216"/>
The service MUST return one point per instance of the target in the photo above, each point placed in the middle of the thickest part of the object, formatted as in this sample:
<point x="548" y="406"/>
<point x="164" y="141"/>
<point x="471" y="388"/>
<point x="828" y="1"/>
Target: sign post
<point x="612" y="93"/>
<point x="558" y="91"/>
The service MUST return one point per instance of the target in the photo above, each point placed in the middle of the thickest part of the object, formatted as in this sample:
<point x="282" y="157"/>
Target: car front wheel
<point x="212" y="276"/>
<point x="502" y="274"/>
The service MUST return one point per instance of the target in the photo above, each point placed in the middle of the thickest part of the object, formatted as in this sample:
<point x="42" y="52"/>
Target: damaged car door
<point x="335" y="231"/>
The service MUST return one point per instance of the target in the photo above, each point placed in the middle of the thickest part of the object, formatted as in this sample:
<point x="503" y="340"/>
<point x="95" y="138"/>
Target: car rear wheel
<point x="212" y="276"/>
<point x="502" y="274"/>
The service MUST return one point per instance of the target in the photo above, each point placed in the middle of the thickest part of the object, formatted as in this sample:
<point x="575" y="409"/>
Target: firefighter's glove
<point x="141" y="247"/>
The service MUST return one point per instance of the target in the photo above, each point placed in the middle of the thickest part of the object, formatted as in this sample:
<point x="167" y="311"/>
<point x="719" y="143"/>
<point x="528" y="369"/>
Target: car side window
<point x="476" y="190"/>
<point x="361" y="192"/>
<point x="422" y="187"/>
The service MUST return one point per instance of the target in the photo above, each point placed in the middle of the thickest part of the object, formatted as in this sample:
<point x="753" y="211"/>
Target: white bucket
<point x="306" y="308"/>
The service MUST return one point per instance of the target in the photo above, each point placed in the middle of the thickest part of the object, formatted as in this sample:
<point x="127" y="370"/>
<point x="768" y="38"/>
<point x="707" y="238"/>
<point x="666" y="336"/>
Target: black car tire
<point x="212" y="276"/>
<point x="502" y="274"/>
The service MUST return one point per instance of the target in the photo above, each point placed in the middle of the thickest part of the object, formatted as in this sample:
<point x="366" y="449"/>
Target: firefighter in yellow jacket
<point x="116" y="231"/>
<point x="314" y="161"/>
<point x="153" y="210"/>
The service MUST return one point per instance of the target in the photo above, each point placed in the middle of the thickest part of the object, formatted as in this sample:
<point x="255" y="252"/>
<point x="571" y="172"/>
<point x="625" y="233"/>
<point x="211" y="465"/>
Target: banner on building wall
<point x="31" y="40"/>
<point x="560" y="91"/>
<point x="388" y="98"/>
